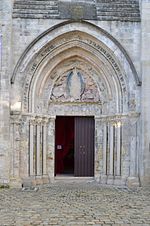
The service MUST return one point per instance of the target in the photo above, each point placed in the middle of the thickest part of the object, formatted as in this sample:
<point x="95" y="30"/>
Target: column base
<point x="103" y="179"/>
<point x="29" y="182"/>
<point x="119" y="181"/>
<point x="45" y="179"/>
<point x="35" y="180"/>
<point x="113" y="180"/>
<point x="4" y="183"/>
<point x="110" y="180"/>
<point x="133" y="182"/>
<point x="15" y="183"/>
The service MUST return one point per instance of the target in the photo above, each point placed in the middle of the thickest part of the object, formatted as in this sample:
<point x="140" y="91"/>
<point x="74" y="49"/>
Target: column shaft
<point x="44" y="149"/>
<point x="105" y="150"/>
<point x="38" y="168"/>
<point x="118" y="151"/>
<point x="111" y="150"/>
<point x="31" y="150"/>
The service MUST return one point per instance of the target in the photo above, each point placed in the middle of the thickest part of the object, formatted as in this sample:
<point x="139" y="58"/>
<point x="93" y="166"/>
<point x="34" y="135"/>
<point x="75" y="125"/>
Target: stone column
<point x="15" y="155"/>
<point x="51" y="148"/>
<point x="111" y="159"/>
<point x="105" y="149"/>
<point x="44" y="147"/>
<point x="118" y="168"/>
<point x="38" y="148"/>
<point x="99" y="149"/>
<point x="24" y="149"/>
<point x="31" y="167"/>
<point x="118" y="180"/>
<point x="133" y="179"/>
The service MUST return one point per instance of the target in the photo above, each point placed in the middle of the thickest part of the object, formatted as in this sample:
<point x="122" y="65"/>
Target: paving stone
<point x="62" y="204"/>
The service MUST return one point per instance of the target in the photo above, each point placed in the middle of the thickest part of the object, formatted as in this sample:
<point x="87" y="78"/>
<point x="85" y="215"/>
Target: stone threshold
<point x="67" y="178"/>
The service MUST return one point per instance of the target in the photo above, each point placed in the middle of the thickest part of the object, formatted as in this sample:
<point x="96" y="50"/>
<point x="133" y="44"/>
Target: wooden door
<point x="84" y="146"/>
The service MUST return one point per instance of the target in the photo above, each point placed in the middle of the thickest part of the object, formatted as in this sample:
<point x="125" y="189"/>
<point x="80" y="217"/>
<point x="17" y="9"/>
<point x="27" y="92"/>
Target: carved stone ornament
<point x="75" y="87"/>
<point x="132" y="104"/>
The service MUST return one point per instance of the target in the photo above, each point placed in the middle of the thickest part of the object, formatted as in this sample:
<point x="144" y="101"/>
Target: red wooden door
<point x="84" y="147"/>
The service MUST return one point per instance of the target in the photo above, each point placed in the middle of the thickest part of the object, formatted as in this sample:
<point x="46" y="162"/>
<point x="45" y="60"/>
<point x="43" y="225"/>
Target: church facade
<point x="75" y="89"/>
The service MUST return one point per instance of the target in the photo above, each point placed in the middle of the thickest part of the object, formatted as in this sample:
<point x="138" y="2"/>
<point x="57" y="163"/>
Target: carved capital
<point x="32" y="121"/>
<point x="16" y="119"/>
<point x="44" y="121"/>
<point x="38" y="120"/>
<point x="133" y="118"/>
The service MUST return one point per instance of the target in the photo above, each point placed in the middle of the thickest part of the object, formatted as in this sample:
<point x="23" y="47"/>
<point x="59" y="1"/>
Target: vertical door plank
<point x="84" y="146"/>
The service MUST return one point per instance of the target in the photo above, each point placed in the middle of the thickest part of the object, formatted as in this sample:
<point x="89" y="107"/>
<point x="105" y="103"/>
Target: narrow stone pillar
<point x="99" y="149"/>
<point x="133" y="179"/>
<point x="31" y="168"/>
<point x="111" y="160"/>
<point x="38" y="144"/>
<point x="118" y="170"/>
<point x="25" y="148"/>
<point x="105" y="150"/>
<point x="16" y="150"/>
<point x="44" y="148"/>
<point x="51" y="148"/>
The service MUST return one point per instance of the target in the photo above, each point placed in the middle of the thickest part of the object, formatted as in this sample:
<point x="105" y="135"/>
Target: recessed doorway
<point x="74" y="146"/>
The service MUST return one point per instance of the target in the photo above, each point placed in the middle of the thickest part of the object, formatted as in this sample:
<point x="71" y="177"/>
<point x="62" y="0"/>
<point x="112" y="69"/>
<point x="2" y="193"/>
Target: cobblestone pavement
<point x="74" y="204"/>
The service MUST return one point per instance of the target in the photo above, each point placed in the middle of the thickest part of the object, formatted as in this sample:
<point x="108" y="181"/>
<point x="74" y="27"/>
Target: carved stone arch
<point x="111" y="62"/>
<point x="50" y="71"/>
<point x="45" y="43"/>
<point x="87" y="27"/>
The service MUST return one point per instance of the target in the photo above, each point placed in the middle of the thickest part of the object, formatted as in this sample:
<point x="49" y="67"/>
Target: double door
<point x="77" y="133"/>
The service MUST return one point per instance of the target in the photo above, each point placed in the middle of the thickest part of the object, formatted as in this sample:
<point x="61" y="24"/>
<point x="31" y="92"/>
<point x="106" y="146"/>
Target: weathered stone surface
<point x="77" y="10"/>
<point x="127" y="10"/>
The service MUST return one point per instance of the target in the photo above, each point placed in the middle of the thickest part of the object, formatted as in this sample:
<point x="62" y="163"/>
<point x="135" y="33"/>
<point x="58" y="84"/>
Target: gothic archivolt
<point x="94" y="45"/>
<point x="110" y="72"/>
<point x="102" y="74"/>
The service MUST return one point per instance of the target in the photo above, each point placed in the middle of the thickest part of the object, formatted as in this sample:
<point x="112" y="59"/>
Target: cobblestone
<point x="74" y="204"/>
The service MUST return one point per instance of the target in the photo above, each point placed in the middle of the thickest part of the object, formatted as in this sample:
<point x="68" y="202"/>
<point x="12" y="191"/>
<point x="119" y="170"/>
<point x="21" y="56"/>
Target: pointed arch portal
<point x="79" y="72"/>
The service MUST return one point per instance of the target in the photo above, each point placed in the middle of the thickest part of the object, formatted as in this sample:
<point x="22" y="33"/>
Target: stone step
<point x="69" y="179"/>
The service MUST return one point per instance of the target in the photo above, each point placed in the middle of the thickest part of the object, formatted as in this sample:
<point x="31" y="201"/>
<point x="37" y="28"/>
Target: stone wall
<point x="5" y="73"/>
<point x="145" y="100"/>
<point x="119" y="10"/>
